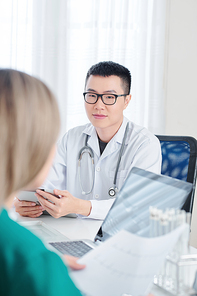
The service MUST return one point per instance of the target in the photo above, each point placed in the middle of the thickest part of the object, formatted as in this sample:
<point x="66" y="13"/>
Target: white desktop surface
<point x="73" y="228"/>
<point x="80" y="228"/>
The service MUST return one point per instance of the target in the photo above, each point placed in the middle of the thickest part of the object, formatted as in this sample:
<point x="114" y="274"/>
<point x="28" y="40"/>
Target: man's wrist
<point x="83" y="207"/>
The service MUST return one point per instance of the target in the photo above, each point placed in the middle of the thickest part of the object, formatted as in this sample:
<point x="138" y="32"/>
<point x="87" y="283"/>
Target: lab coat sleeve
<point x="100" y="208"/>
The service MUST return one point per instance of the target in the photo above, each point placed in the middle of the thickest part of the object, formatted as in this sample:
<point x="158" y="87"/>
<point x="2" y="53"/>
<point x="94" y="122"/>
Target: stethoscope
<point x="86" y="149"/>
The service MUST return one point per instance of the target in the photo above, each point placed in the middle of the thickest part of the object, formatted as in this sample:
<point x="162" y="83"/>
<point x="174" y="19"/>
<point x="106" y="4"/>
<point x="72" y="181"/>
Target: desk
<point x="73" y="228"/>
<point x="79" y="228"/>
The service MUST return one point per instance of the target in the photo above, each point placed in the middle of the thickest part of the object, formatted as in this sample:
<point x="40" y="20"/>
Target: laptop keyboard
<point x="73" y="248"/>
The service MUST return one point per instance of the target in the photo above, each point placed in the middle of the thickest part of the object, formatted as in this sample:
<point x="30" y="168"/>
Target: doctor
<point x="93" y="161"/>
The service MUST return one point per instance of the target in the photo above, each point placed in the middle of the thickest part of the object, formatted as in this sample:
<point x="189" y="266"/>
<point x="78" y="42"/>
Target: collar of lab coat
<point x="114" y="143"/>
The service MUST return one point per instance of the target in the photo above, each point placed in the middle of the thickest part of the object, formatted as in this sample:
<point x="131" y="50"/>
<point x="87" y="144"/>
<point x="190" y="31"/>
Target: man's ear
<point x="127" y="100"/>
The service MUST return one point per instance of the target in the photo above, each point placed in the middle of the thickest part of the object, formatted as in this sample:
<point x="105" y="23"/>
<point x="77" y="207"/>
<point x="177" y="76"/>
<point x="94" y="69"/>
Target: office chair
<point x="179" y="160"/>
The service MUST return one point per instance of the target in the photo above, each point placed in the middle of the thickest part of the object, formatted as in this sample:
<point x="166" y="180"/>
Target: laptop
<point x="130" y="210"/>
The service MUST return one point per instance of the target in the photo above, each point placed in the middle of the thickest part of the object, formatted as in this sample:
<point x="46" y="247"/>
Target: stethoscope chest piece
<point x="112" y="192"/>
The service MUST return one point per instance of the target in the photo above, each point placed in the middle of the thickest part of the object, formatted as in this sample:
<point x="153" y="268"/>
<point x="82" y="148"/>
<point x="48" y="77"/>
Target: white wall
<point x="181" y="67"/>
<point x="181" y="76"/>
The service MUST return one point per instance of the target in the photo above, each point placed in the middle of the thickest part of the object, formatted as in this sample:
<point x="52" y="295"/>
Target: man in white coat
<point x="84" y="176"/>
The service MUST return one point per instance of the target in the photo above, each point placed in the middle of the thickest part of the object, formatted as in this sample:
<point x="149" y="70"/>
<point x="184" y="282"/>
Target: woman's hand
<point x="72" y="263"/>
<point x="27" y="208"/>
<point x="63" y="205"/>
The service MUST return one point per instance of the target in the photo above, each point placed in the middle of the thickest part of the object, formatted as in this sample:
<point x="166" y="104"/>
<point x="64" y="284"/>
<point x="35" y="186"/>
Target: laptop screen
<point x="142" y="189"/>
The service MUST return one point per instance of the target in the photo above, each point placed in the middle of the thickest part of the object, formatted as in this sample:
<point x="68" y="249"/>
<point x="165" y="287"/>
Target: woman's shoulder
<point x="33" y="269"/>
<point x="17" y="238"/>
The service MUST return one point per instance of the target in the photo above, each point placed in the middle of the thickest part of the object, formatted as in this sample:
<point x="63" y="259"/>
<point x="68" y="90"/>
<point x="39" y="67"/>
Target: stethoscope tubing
<point x="86" y="149"/>
<point x="120" y="155"/>
<point x="83" y="150"/>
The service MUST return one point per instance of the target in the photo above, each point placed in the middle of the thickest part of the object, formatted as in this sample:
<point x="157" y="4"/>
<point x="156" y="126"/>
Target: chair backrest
<point x="179" y="160"/>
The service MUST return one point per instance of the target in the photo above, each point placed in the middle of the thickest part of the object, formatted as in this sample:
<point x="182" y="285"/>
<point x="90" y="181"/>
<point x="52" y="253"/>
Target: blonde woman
<point x="29" y="125"/>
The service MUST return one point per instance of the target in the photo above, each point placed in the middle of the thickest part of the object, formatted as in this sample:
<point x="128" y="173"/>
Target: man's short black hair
<point x="106" y="69"/>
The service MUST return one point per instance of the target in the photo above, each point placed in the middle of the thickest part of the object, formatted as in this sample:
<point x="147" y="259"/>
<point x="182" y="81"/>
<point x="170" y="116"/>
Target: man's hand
<point x="64" y="205"/>
<point x="27" y="208"/>
<point x="72" y="263"/>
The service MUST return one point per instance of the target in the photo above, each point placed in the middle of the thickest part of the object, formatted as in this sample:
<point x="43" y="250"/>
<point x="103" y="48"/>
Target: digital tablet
<point x="28" y="195"/>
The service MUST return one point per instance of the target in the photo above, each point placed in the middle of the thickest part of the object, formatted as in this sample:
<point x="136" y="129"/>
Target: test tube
<point x="164" y="222"/>
<point x="151" y="217"/>
<point x="172" y="219"/>
<point x="157" y="221"/>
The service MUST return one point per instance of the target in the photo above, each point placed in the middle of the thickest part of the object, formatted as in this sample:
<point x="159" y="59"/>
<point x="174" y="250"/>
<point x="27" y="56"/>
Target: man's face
<point x="106" y="117"/>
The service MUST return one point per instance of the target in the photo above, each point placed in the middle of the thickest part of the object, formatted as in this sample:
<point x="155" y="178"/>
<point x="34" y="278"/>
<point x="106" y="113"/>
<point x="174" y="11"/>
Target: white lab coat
<point x="142" y="150"/>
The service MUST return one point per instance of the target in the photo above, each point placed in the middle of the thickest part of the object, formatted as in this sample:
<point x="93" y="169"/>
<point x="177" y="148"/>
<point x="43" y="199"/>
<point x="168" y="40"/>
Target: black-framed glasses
<point x="107" y="99"/>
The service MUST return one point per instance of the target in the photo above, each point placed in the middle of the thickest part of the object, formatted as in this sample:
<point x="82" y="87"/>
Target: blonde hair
<point x="29" y="126"/>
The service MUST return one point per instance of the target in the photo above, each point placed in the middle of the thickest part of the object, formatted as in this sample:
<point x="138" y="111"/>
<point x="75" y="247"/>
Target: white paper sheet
<point x="124" y="264"/>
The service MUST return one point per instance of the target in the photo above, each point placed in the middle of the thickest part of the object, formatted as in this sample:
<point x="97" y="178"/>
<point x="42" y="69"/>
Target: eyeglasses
<point x="107" y="99"/>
